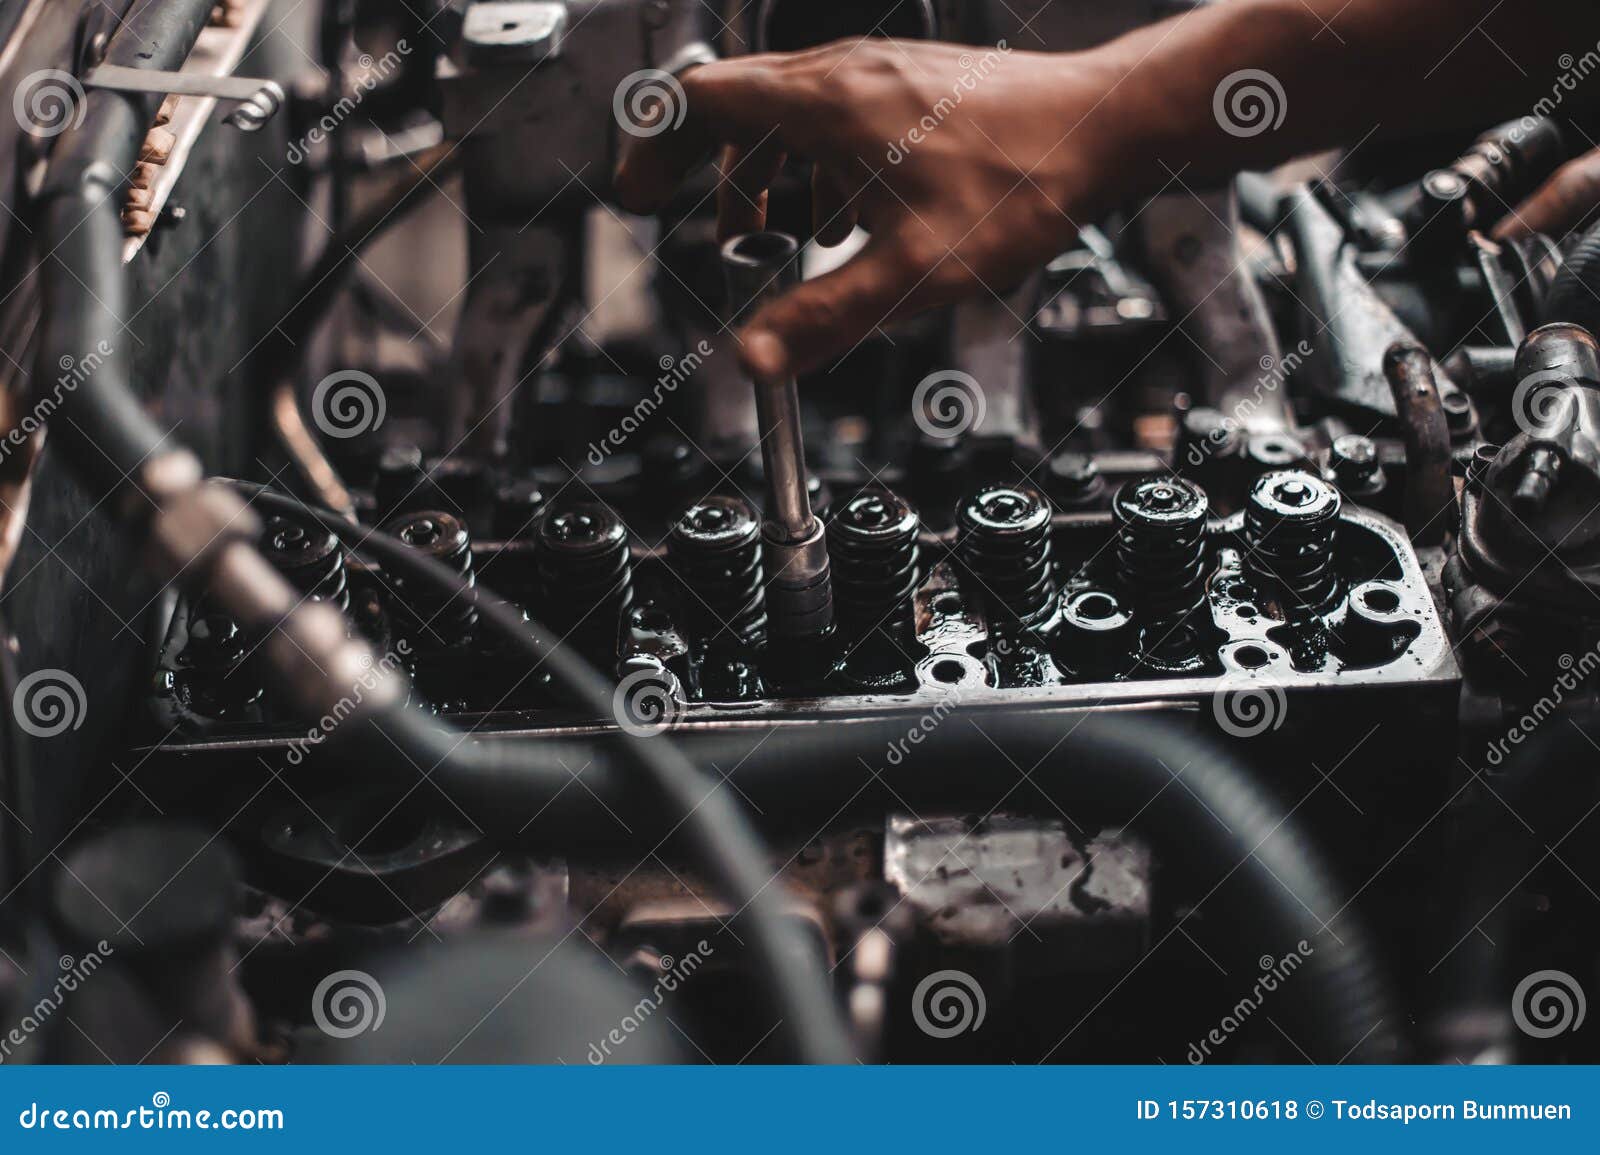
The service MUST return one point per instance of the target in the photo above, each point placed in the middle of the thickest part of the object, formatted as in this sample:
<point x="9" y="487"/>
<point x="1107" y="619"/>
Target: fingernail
<point x="764" y="356"/>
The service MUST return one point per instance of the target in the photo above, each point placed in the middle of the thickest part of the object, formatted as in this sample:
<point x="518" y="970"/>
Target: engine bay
<point x="1070" y="668"/>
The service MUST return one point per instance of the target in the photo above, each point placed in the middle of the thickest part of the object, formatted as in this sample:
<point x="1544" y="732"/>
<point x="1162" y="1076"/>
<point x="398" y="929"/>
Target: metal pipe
<point x="760" y="267"/>
<point x="1430" y="494"/>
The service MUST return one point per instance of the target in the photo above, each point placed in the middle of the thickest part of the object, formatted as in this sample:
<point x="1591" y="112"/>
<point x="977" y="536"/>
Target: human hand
<point x="969" y="166"/>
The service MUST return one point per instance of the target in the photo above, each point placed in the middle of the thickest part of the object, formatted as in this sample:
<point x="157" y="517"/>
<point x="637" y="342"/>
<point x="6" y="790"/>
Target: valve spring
<point x="310" y="558"/>
<point x="872" y="549"/>
<point x="586" y="573"/>
<point x="1161" y="546"/>
<point x="1003" y="541"/>
<point x="715" y="551"/>
<point x="1289" y="525"/>
<point x="443" y="618"/>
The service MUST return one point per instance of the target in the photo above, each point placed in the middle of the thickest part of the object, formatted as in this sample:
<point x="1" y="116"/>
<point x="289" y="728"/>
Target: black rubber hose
<point x="727" y="846"/>
<point x="1117" y="765"/>
<point x="1574" y="294"/>
<point x="105" y="429"/>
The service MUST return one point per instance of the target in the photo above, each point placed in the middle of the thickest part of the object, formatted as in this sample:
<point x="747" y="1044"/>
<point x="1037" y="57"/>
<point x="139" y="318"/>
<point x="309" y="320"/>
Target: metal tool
<point x="258" y="100"/>
<point x="759" y="267"/>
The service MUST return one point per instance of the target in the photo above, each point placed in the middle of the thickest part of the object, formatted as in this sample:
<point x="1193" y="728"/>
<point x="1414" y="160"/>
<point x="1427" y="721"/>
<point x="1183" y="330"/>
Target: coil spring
<point x="872" y="550"/>
<point x="310" y="558"/>
<point x="715" y="550"/>
<point x="1003" y="541"/>
<point x="1289" y="524"/>
<point x="442" y="618"/>
<point x="261" y="106"/>
<point x="586" y="573"/>
<point x="1160" y="546"/>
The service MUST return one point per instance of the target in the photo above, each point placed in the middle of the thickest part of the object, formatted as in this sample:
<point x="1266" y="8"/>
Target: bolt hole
<point x="1383" y="601"/>
<point x="947" y="603"/>
<point x="1251" y="657"/>
<point x="1097" y="607"/>
<point x="949" y="671"/>
<point x="1247" y="610"/>
<point x="764" y="247"/>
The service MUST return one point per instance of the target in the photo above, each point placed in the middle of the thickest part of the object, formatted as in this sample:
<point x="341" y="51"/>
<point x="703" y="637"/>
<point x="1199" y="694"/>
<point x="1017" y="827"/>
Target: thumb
<point x="819" y="320"/>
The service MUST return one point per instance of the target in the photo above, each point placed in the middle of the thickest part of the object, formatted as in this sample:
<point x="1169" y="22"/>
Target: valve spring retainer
<point x="310" y="558"/>
<point x="872" y="548"/>
<point x="586" y="573"/>
<point x="715" y="551"/>
<point x="1161" y="546"/>
<point x="1003" y="541"/>
<point x="442" y="618"/>
<point x="1289" y="524"/>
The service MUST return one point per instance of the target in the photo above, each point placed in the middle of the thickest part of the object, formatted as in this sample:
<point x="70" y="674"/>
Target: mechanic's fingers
<point x="1566" y="198"/>
<point x="737" y="101"/>
<point x="817" y="321"/>
<point x="832" y="215"/>
<point x="742" y="192"/>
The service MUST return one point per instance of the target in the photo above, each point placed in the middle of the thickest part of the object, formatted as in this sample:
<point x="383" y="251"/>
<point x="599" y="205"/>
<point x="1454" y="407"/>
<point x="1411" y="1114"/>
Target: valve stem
<point x="757" y="268"/>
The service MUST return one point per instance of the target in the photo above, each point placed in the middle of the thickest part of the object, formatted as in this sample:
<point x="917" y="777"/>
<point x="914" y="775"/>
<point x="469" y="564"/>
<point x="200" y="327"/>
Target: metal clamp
<point x="258" y="100"/>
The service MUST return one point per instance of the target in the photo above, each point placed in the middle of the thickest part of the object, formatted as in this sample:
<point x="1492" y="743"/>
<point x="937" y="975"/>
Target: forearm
<point x="1340" y="73"/>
